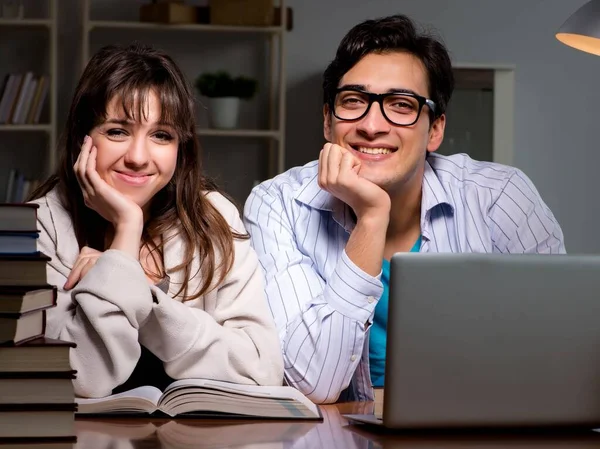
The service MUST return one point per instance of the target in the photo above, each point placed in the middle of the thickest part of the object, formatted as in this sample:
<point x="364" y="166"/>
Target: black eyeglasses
<point x="401" y="109"/>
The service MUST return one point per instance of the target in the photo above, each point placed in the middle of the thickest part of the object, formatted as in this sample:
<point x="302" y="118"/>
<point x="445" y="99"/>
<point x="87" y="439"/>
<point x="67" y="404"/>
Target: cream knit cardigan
<point x="227" y="334"/>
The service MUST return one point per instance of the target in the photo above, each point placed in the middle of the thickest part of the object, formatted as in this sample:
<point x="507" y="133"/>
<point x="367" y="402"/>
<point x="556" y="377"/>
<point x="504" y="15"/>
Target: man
<point x="325" y="232"/>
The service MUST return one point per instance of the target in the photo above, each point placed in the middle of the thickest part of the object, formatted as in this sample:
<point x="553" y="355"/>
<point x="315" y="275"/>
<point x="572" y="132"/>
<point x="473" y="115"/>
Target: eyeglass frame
<point x="379" y="99"/>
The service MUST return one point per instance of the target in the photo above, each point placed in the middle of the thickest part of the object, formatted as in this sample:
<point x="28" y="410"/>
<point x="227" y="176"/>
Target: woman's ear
<point x="436" y="133"/>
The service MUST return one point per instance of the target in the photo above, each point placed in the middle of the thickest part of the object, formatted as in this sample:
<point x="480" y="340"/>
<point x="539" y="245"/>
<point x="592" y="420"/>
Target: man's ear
<point x="326" y="123"/>
<point x="436" y="133"/>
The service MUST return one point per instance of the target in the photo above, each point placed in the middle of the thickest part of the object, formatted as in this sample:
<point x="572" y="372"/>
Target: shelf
<point x="268" y="133"/>
<point x="274" y="34"/>
<point x="9" y="127"/>
<point x="92" y="24"/>
<point x="25" y="22"/>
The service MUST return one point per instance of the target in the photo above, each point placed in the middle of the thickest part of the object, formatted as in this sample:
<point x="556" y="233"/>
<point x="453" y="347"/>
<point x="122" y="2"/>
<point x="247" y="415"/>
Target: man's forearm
<point x="367" y="242"/>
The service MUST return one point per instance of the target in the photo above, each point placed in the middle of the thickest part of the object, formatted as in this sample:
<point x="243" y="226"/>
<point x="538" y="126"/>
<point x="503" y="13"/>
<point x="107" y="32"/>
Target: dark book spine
<point x="38" y="407"/>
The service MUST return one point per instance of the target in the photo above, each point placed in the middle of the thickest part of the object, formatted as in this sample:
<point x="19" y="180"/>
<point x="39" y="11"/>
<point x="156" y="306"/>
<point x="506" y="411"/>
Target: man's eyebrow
<point x="354" y="87"/>
<point x="393" y="90"/>
<point x="400" y="90"/>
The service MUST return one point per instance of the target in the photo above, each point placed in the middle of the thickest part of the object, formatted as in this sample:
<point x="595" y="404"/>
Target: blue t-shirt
<point x="377" y="336"/>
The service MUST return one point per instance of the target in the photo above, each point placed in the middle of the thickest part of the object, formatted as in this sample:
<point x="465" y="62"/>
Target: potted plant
<point x="224" y="93"/>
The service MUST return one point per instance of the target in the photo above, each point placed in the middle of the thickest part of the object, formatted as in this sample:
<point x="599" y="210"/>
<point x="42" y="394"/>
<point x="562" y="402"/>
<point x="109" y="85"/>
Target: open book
<point x="199" y="397"/>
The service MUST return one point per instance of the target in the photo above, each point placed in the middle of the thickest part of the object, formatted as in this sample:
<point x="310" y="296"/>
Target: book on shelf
<point x="19" y="102"/>
<point x="9" y="96"/>
<point x="21" y="327"/>
<point x="18" y="217"/>
<point x="22" y="98"/>
<point x="23" y="269"/>
<point x="41" y="355"/>
<point x="6" y="88"/>
<point x="37" y="388"/>
<point x="21" y="119"/>
<point x="18" y="188"/>
<point x="38" y="101"/>
<point x="22" y="299"/>
<point x="201" y="397"/>
<point x="18" y="242"/>
<point x="10" y="185"/>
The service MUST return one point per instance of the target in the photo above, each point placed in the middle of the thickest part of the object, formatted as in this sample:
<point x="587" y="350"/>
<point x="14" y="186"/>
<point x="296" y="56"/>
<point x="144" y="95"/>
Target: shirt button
<point x="370" y="299"/>
<point x="353" y="358"/>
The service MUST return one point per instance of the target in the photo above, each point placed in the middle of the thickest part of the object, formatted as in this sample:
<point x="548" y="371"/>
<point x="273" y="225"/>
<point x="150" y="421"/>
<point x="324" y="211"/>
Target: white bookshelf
<point x="92" y="24"/>
<point x="264" y="133"/>
<point x="26" y="22"/>
<point x="275" y="134"/>
<point x="50" y="127"/>
<point x="21" y="128"/>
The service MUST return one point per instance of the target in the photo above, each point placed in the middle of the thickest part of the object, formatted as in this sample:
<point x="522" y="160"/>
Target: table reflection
<point x="333" y="433"/>
<point x="134" y="433"/>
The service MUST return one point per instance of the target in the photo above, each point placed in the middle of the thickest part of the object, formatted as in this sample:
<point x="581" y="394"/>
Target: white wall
<point x="556" y="130"/>
<point x="234" y="163"/>
<point x="556" y="94"/>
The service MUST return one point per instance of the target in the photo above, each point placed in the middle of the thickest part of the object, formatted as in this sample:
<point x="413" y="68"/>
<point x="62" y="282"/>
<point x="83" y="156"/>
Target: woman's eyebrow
<point x="124" y="122"/>
<point x="118" y="121"/>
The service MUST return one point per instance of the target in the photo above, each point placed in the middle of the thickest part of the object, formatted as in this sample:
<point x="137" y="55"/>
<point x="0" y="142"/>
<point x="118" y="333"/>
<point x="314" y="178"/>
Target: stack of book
<point x="22" y="98"/>
<point x="37" y="399"/>
<point x="24" y="293"/>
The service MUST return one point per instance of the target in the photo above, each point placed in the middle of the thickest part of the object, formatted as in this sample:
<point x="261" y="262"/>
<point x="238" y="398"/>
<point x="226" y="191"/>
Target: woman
<point x="151" y="262"/>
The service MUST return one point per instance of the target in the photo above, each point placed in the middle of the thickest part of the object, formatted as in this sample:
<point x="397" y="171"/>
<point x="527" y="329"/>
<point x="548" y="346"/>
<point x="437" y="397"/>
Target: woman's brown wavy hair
<point x="129" y="74"/>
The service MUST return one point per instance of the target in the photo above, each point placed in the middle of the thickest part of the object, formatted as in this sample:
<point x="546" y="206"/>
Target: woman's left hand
<point x="98" y="195"/>
<point x="84" y="263"/>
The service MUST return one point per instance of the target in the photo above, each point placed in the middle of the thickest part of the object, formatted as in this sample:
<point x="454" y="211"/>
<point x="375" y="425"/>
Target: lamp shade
<point x="582" y="29"/>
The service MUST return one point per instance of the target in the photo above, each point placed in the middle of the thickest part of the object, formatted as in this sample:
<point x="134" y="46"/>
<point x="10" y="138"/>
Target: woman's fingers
<point x="80" y="269"/>
<point x="87" y="267"/>
<point x="93" y="176"/>
<point x="81" y="165"/>
<point x="73" y="276"/>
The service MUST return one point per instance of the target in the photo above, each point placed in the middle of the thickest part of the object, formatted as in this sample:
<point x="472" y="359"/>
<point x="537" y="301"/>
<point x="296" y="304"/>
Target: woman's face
<point x="138" y="158"/>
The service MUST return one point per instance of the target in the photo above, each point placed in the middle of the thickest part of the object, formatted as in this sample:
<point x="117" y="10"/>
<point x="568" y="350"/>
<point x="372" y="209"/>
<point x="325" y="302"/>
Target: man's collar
<point x="314" y="196"/>
<point x="433" y="195"/>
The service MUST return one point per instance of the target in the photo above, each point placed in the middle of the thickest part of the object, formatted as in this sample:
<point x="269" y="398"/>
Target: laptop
<point x="491" y="340"/>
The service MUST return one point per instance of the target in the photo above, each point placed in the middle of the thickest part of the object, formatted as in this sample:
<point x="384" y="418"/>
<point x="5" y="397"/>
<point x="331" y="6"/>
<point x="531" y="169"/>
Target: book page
<point x="257" y="391"/>
<point x="140" y="399"/>
<point x="282" y="393"/>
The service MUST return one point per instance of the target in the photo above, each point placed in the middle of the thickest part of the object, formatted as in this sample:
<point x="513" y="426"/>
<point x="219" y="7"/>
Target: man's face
<point x="392" y="156"/>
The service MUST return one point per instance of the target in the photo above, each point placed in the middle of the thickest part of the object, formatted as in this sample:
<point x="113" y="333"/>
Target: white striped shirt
<point x="323" y="304"/>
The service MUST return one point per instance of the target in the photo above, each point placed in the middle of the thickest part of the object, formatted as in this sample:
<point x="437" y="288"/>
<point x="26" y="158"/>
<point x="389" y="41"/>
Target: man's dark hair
<point x="390" y="34"/>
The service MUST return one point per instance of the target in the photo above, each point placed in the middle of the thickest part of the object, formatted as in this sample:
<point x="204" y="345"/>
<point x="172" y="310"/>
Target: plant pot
<point x="223" y="112"/>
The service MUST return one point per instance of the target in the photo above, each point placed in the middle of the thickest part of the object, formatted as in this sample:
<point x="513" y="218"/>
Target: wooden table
<point x="333" y="433"/>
